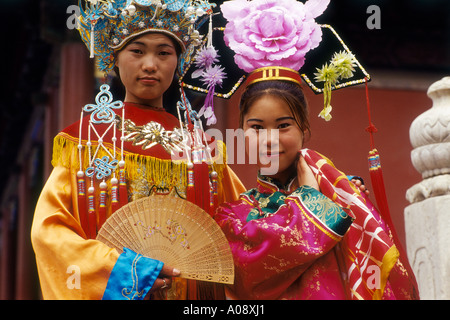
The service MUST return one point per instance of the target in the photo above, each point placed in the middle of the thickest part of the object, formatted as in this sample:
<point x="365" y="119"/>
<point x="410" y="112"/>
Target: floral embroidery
<point x="173" y="231"/>
<point x="266" y="204"/>
<point x="152" y="134"/>
<point x="324" y="209"/>
<point x="133" y="292"/>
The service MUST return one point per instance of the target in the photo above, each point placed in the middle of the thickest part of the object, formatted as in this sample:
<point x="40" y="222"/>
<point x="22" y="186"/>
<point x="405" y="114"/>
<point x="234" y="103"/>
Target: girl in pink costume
<point x="305" y="231"/>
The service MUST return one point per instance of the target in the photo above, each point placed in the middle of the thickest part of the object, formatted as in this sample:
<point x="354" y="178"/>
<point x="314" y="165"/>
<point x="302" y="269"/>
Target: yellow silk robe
<point x="70" y="265"/>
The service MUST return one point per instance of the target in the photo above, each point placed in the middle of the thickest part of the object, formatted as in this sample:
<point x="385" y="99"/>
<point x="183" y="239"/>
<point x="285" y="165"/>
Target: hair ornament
<point x="341" y="66"/>
<point x="106" y="26"/>
<point x="265" y="33"/>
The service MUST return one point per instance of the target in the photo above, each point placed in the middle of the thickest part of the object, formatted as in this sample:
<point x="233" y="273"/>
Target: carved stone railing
<point x="427" y="219"/>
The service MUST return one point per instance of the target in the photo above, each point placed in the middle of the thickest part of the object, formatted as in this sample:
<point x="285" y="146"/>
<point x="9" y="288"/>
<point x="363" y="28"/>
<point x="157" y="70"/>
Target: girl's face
<point x="267" y="118"/>
<point x="147" y="66"/>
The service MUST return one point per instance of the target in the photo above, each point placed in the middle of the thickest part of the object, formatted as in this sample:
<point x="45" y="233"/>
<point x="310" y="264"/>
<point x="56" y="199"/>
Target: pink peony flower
<point x="272" y="32"/>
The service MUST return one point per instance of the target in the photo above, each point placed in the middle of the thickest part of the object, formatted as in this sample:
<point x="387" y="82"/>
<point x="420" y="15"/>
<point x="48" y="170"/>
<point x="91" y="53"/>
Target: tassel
<point x="210" y="291"/>
<point x="192" y="290"/>
<point x="92" y="39"/>
<point x="196" y="160"/>
<point x="102" y="207"/>
<point x="202" y="290"/>
<point x="190" y="192"/>
<point x="214" y="193"/>
<point x="82" y="207"/>
<point x="201" y="180"/>
<point x="203" y="184"/>
<point x="123" y="192"/>
<point x="210" y="31"/>
<point x="92" y="219"/>
<point x="376" y="177"/>
<point x="114" y="195"/>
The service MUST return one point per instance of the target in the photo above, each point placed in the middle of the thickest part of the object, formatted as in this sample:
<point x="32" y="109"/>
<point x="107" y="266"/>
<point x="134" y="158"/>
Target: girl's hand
<point x="164" y="280"/>
<point x="360" y="186"/>
<point x="304" y="174"/>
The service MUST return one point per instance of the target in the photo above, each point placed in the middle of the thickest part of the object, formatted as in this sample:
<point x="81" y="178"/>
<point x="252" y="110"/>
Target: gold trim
<point x="389" y="260"/>
<point x="317" y="222"/>
<point x="268" y="75"/>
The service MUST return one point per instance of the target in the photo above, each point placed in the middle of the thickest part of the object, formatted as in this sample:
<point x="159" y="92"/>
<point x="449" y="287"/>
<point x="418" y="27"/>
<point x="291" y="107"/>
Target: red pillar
<point x="76" y="83"/>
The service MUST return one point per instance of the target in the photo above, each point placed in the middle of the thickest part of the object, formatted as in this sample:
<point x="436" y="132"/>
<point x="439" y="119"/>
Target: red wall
<point x="345" y="141"/>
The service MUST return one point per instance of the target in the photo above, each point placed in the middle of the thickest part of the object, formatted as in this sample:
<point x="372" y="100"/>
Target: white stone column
<point x="427" y="218"/>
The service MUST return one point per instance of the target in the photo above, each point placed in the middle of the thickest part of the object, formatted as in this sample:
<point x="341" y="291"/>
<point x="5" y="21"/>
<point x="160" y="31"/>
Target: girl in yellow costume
<point x="119" y="152"/>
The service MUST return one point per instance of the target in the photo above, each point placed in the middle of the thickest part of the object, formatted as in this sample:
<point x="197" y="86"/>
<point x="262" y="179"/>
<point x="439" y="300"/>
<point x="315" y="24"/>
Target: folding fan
<point x="174" y="231"/>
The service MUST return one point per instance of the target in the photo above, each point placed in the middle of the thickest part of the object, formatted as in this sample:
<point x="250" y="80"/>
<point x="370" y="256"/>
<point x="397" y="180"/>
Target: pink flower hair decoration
<point x="265" y="33"/>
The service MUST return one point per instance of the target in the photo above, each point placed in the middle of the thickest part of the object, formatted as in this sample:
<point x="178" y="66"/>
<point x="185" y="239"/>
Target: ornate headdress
<point x="280" y="39"/>
<point x="107" y="25"/>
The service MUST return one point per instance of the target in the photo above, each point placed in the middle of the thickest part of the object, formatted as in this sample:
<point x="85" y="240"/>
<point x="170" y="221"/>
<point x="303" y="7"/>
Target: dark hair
<point x="290" y="92"/>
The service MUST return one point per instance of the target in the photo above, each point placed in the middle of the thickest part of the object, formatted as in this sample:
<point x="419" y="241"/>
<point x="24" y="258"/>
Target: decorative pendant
<point x="100" y="169"/>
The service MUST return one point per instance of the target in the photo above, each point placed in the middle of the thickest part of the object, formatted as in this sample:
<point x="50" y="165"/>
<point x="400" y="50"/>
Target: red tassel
<point x="192" y="290"/>
<point x="205" y="186"/>
<point x="201" y="179"/>
<point x="123" y="192"/>
<point x="190" y="192"/>
<point x="376" y="177"/>
<point x="200" y="192"/>
<point x="92" y="219"/>
<point x="114" y="195"/>
<point x="213" y="194"/>
<point x="82" y="207"/>
<point x="102" y="205"/>
<point x="201" y="182"/>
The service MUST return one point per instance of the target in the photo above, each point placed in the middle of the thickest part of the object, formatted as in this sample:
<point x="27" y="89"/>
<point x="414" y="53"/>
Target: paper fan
<point x="174" y="231"/>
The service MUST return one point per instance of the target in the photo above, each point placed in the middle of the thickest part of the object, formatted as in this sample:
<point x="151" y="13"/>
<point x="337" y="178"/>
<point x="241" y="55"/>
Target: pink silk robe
<point x="286" y="255"/>
<point x="299" y="244"/>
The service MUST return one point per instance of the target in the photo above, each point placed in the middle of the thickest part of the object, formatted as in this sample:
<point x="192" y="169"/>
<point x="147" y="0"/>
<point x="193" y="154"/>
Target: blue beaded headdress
<point x="106" y="26"/>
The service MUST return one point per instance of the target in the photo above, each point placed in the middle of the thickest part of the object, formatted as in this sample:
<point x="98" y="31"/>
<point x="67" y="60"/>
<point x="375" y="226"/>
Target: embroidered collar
<point x="267" y="197"/>
<point x="267" y="185"/>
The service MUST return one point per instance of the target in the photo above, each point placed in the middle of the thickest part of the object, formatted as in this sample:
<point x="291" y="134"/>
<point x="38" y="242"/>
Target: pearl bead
<point x="200" y="12"/>
<point x="131" y="9"/>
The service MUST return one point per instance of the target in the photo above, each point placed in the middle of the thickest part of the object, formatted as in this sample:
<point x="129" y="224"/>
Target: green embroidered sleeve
<point x="329" y="213"/>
